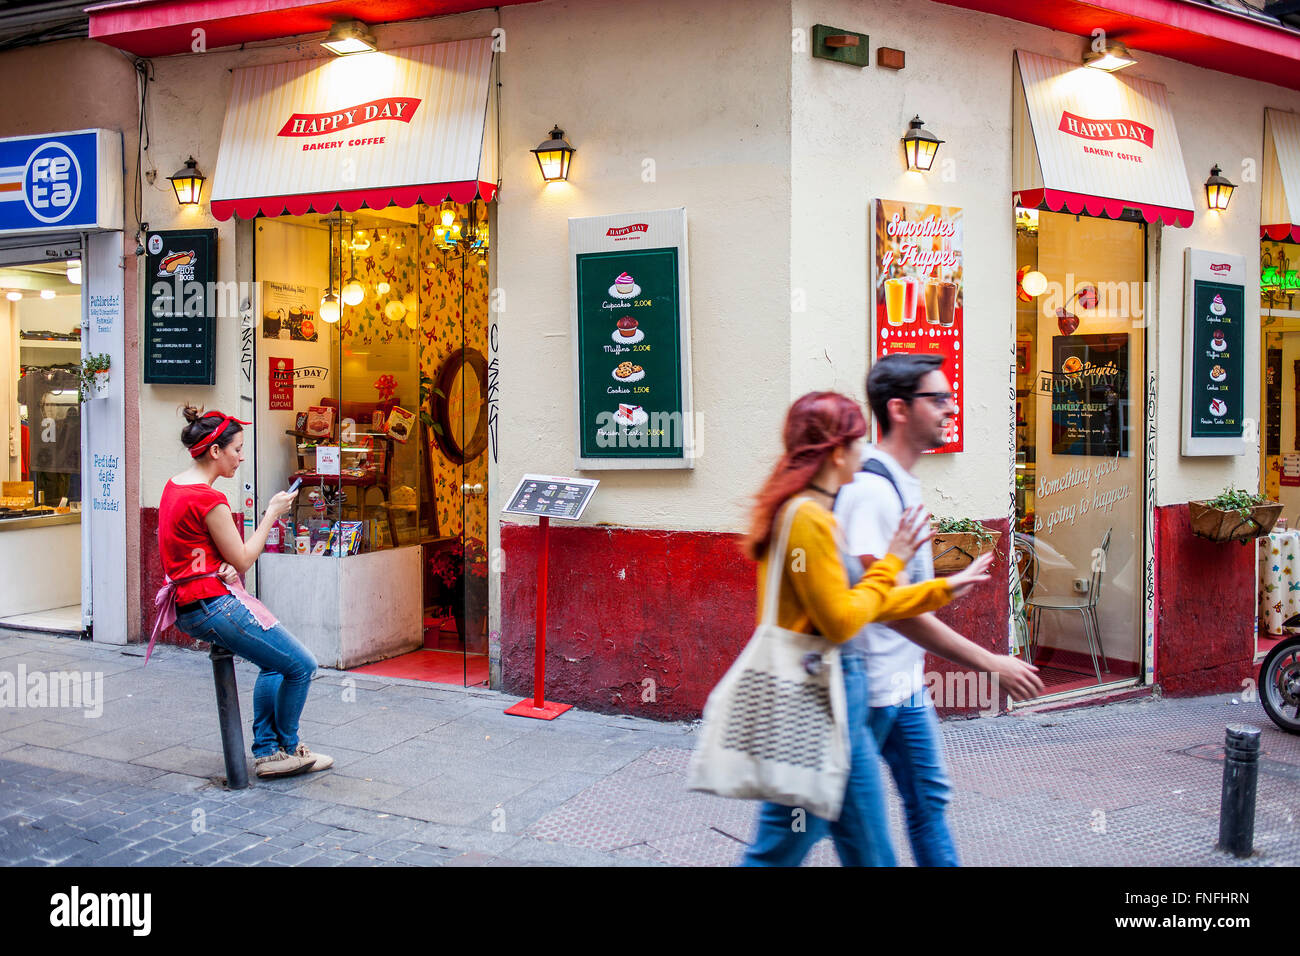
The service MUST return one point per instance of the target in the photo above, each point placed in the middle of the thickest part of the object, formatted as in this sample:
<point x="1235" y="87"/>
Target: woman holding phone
<point x="204" y="559"/>
<point x="823" y="434"/>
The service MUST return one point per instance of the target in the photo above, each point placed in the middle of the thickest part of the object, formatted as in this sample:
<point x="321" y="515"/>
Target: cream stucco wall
<point x="775" y="155"/>
<point x="846" y="128"/>
<point x="702" y="91"/>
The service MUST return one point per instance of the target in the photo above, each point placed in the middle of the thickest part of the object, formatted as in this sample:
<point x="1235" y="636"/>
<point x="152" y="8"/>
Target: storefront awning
<point x="1279" y="212"/>
<point x="399" y="126"/>
<point x="1096" y="142"/>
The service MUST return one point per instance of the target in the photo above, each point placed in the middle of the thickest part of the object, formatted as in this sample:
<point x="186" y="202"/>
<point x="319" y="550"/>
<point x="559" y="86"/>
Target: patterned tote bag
<point x="776" y="726"/>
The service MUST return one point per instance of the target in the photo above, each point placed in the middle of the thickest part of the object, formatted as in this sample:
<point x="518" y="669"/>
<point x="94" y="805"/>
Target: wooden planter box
<point x="952" y="552"/>
<point x="1219" y="525"/>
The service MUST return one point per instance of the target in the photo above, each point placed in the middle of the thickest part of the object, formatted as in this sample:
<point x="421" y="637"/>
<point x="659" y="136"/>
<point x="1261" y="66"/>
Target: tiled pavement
<point x="430" y="775"/>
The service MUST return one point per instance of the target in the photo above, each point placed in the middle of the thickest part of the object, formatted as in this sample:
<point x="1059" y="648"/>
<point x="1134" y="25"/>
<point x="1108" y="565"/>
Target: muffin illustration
<point x="624" y="283"/>
<point x="1218" y="343"/>
<point x="627" y="326"/>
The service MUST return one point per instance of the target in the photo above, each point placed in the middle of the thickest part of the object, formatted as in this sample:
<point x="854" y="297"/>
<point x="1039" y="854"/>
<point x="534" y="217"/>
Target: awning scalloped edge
<point x="352" y="200"/>
<point x="1280" y="232"/>
<point x="1077" y="203"/>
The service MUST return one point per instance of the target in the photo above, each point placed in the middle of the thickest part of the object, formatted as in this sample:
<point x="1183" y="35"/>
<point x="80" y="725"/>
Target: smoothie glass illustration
<point x="900" y="300"/>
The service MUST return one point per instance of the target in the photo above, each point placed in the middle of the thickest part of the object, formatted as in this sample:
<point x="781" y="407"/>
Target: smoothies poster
<point x="917" y="290"/>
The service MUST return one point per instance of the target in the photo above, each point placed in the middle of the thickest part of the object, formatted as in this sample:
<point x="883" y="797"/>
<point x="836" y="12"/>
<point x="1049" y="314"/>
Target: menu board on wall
<point x="1090" y="395"/>
<point x="917" y="302"/>
<point x="181" y="302"/>
<point x="1214" y="355"/>
<point x="631" y="321"/>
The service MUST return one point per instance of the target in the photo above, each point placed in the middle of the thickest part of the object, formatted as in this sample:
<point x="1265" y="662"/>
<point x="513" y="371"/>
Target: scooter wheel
<point x="1279" y="685"/>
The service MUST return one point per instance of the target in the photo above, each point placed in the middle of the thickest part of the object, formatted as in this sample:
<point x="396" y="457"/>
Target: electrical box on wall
<point x="842" y="46"/>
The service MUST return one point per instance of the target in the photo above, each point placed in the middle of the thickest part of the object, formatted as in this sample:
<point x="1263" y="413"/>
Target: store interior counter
<point x="40" y="563"/>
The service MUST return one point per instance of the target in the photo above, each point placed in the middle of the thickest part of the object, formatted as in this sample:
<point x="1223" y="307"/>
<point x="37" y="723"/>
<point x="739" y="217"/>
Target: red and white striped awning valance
<point x="408" y="126"/>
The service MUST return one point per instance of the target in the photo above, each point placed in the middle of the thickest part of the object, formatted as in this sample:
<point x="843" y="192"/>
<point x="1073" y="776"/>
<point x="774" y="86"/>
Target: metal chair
<point x="1086" y="606"/>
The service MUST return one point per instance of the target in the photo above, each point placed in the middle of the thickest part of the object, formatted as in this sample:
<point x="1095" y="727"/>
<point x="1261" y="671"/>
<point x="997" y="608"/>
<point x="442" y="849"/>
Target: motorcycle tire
<point x="1279" y="685"/>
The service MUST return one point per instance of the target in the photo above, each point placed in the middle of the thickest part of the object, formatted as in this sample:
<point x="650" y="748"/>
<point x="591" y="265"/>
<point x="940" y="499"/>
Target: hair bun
<point x="192" y="414"/>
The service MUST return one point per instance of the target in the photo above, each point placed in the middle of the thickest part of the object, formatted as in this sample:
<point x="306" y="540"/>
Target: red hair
<point x="816" y="425"/>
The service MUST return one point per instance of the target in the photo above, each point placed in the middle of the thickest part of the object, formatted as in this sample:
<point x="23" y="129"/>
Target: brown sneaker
<point x="322" y="761"/>
<point x="281" y="764"/>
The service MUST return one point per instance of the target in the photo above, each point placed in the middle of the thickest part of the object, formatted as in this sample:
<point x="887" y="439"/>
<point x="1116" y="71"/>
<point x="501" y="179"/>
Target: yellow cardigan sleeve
<point x="816" y="575"/>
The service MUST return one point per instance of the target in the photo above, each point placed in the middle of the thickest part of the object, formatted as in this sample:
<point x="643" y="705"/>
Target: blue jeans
<point x="908" y="738"/>
<point x="861" y="834"/>
<point x="280" y="692"/>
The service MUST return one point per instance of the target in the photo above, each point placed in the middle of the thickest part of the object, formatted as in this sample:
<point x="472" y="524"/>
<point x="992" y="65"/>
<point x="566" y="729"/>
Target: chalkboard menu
<point x="1214" y="356"/>
<point x="1218" y="360"/>
<point x="181" y="301"/>
<point x="631" y="319"/>
<point x="551" y="496"/>
<point x="1273" y="402"/>
<point x="1090" y="395"/>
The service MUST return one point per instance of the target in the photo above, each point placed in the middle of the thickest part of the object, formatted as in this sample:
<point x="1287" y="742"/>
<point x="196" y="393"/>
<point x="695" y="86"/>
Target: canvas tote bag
<point x="776" y="726"/>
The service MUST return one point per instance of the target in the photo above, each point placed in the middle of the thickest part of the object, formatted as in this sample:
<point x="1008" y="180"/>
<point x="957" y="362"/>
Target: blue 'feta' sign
<point x="60" y="182"/>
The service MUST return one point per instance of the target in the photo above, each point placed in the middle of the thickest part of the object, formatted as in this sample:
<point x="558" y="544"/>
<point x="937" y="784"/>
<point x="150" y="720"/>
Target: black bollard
<point x="232" y="729"/>
<point x="1240" y="778"/>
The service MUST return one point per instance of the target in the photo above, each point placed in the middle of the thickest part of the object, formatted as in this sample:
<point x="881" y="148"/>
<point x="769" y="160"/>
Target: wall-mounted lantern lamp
<point x="1113" y="56"/>
<point x="920" y="146"/>
<point x="188" y="183"/>
<point x="1218" y="190"/>
<point x="348" y="37"/>
<point x="554" y="156"/>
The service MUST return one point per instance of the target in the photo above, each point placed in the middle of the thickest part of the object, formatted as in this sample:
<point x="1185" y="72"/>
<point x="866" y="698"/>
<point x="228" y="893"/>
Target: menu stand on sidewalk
<point x="545" y="497"/>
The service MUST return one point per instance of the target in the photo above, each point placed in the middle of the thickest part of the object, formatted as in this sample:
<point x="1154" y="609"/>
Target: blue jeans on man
<point x="861" y="834"/>
<point x="908" y="738"/>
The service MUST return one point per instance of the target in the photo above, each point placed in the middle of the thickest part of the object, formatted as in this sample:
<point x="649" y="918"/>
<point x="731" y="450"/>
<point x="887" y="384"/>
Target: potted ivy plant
<point x="1234" y="515"/>
<point x="93" y="381"/>
<point x="959" y="541"/>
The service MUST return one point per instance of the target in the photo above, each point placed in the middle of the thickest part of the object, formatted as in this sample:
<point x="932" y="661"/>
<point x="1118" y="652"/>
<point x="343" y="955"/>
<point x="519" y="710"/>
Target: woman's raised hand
<point x="913" y="532"/>
<point x="977" y="572"/>
<point x="280" y="504"/>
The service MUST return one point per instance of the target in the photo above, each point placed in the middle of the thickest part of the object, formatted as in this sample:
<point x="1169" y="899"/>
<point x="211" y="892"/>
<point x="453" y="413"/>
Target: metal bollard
<point x="232" y="730"/>
<point x="1240" y="778"/>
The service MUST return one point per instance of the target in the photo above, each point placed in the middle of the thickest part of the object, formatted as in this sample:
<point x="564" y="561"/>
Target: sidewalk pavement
<point x="427" y="774"/>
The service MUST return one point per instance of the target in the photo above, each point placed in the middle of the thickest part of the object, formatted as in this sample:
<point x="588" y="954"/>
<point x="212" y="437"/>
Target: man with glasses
<point x="912" y="402"/>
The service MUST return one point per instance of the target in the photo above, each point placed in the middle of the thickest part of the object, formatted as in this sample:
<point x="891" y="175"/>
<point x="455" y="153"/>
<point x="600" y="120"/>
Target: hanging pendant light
<point x="353" y="292"/>
<point x="329" y="303"/>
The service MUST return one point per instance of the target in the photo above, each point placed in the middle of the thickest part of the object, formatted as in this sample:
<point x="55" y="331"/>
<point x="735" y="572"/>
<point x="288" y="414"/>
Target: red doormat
<point x="436" y="667"/>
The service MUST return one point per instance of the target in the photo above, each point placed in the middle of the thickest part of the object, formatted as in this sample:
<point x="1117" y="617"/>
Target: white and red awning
<point x="1279" y="210"/>
<point x="398" y="126"/>
<point x="1096" y="142"/>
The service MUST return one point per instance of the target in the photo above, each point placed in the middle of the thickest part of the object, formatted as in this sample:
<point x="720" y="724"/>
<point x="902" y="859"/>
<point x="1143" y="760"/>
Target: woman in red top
<point x="204" y="557"/>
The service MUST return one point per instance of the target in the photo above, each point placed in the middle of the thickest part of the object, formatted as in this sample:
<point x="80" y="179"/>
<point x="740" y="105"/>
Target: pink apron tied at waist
<point x="165" y="603"/>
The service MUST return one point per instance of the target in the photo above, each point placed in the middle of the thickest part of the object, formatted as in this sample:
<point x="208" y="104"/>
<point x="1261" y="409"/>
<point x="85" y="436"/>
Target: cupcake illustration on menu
<point x="1218" y="343"/>
<point x="624" y="287"/>
<point x="1217" y="306"/>
<point x="1218" y="408"/>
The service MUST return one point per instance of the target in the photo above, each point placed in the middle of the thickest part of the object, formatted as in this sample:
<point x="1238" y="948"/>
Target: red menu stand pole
<point x="539" y="706"/>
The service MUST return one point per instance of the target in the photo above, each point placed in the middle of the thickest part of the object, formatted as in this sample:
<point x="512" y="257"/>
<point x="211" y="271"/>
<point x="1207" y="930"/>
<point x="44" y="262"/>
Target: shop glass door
<point x="40" y="472"/>
<point x="1080" y="453"/>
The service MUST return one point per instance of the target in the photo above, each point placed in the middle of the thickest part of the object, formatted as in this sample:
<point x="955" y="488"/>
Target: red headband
<point x="199" y="447"/>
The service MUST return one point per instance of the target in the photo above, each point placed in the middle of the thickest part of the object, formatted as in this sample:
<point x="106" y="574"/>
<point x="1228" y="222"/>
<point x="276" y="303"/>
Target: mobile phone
<point x="297" y="482"/>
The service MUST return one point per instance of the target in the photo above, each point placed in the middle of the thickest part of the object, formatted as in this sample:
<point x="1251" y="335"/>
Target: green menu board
<point x="630" y="345"/>
<point x="1217" y="360"/>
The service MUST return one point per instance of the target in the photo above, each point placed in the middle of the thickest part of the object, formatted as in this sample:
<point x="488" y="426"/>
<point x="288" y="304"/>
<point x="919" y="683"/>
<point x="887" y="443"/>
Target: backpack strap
<point x="874" y="467"/>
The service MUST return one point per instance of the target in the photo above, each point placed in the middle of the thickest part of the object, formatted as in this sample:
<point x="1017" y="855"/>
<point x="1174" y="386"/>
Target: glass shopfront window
<point x="41" y="493"/>
<point x="372" y="377"/>
<point x="1080" y="460"/>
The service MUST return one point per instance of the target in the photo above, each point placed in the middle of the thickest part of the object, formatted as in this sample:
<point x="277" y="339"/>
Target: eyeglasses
<point x="939" y="398"/>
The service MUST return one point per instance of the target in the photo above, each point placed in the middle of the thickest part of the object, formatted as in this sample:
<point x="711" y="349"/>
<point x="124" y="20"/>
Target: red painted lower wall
<point x="152" y="577"/>
<point x="1205" y="609"/>
<point x="646" y="622"/>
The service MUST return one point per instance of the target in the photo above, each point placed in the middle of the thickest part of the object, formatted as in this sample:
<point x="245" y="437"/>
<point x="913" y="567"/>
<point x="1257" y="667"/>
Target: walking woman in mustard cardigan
<point x="823" y="434"/>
